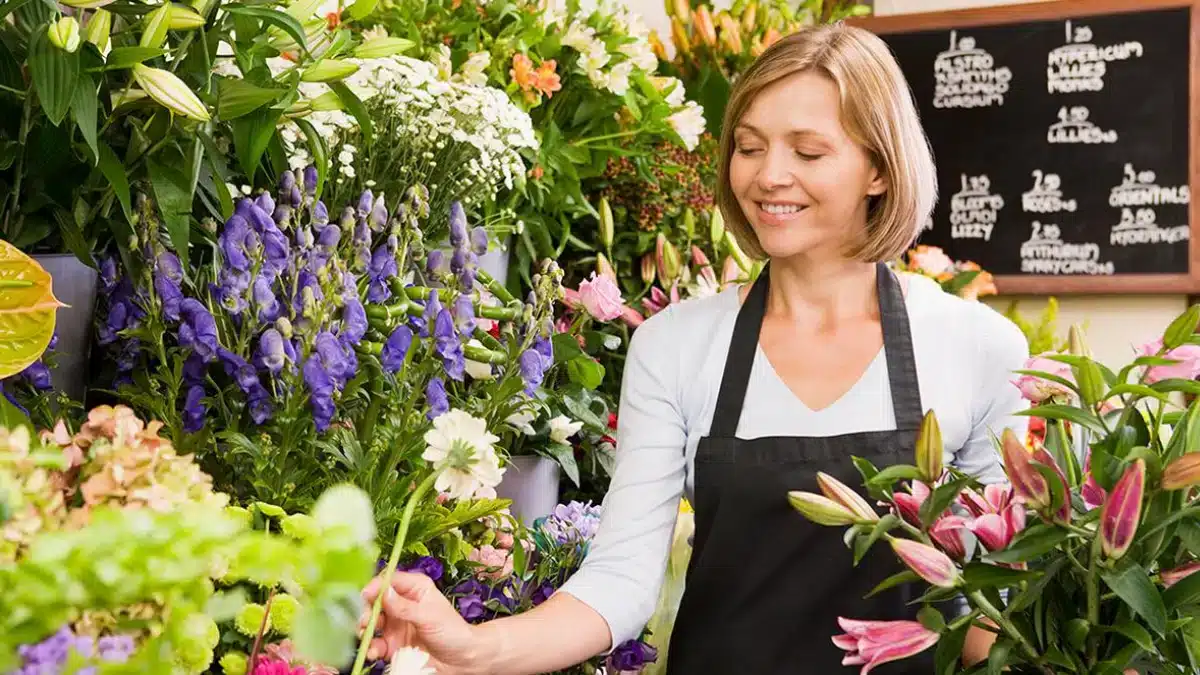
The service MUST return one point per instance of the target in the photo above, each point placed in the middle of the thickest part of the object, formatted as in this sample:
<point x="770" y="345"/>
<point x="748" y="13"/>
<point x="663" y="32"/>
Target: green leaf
<point x="55" y="76"/>
<point x="998" y="656"/>
<point x="29" y="309"/>
<point x="1055" y="411"/>
<point x="318" y="150"/>
<point x="237" y="97"/>
<point x="1184" y="592"/>
<point x="1077" y="632"/>
<point x="175" y="204"/>
<point x="72" y="236"/>
<point x="270" y="510"/>
<point x="251" y="134"/>
<point x="282" y="20"/>
<point x="586" y="371"/>
<point x="362" y="8"/>
<point x="356" y="108"/>
<point x="1140" y="390"/>
<point x="1133" y="585"/>
<point x="114" y="171"/>
<point x="565" y="456"/>
<point x="941" y="499"/>
<point x="11" y="417"/>
<point x="931" y="619"/>
<point x="1030" y="544"/>
<point x="127" y="57"/>
<point x="905" y="577"/>
<point x="891" y="474"/>
<point x="981" y="575"/>
<point x="881" y="527"/>
<point x="1182" y="328"/>
<point x="1138" y="635"/>
<point x="566" y="348"/>
<point x="1177" y="384"/>
<point x="949" y="651"/>
<point x="85" y="105"/>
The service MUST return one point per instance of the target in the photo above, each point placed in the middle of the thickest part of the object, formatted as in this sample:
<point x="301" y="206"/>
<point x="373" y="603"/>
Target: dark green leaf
<point x="1133" y="585"/>
<point x="586" y="371"/>
<point x="55" y="76"/>
<point x="949" y="651"/>
<point x="1184" y="592"/>
<point x="127" y="57"/>
<point x="9" y="151"/>
<point x="114" y="171"/>
<point x="1140" y="390"/>
<point x="905" y="577"/>
<point x="1177" y="384"/>
<point x="319" y="152"/>
<point x="565" y="456"/>
<point x="1055" y="411"/>
<point x="1030" y="544"/>
<point x="566" y="348"/>
<point x="251" y="134"/>
<point x="881" y="527"/>
<point x="237" y="97"/>
<point x="981" y="575"/>
<point x="931" y="619"/>
<point x="73" y="237"/>
<point x="11" y="6"/>
<point x="282" y="20"/>
<point x="941" y="499"/>
<point x="891" y="474"/>
<point x="998" y="656"/>
<point x="174" y="203"/>
<point x="1182" y="328"/>
<point x="1134" y="631"/>
<point x="85" y="106"/>
<point x="356" y="108"/>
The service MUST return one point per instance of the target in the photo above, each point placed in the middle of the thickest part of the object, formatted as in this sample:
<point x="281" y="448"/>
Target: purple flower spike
<point x="532" y="370"/>
<point x="194" y="409"/>
<point x="433" y="307"/>
<point x="168" y="275"/>
<point x="38" y="375"/>
<point x="320" y="213"/>
<point x="464" y="314"/>
<point x="544" y="347"/>
<point x="310" y="179"/>
<point x="198" y="330"/>
<point x="320" y="386"/>
<point x="435" y="264"/>
<point x="271" y="355"/>
<point x="382" y="268"/>
<point x="354" y="323"/>
<point x="436" y="398"/>
<point x="238" y="243"/>
<point x="268" y="305"/>
<point x="265" y="202"/>
<point x="379" y="215"/>
<point x="458" y="225"/>
<point x="448" y="346"/>
<point x="395" y="350"/>
<point x="479" y="241"/>
<point x="365" y="201"/>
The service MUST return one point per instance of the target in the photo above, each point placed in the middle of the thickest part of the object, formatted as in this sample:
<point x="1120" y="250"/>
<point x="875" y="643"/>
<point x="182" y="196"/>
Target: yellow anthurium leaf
<point x="27" y="310"/>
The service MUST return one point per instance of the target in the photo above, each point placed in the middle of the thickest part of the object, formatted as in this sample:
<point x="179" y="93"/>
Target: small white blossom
<point x="463" y="450"/>
<point x="562" y="428"/>
<point x="410" y="661"/>
<point x="689" y="124"/>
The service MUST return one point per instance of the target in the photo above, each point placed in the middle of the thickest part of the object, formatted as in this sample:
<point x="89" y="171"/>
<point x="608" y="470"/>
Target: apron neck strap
<point x="897" y="344"/>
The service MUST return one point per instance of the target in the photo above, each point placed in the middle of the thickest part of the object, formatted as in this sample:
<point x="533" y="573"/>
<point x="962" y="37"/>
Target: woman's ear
<point x="878" y="184"/>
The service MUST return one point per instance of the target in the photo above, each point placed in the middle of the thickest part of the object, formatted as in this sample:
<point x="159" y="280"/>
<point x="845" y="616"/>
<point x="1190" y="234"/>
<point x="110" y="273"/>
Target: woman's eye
<point x="807" y="156"/>
<point x="746" y="151"/>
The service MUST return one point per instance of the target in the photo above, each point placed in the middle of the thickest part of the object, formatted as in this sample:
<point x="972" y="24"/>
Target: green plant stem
<point x="605" y="137"/>
<point x="497" y="289"/>
<point x="15" y="283"/>
<point x="393" y="560"/>
<point x="1004" y="624"/>
<point x="19" y="172"/>
<point x="1093" y="597"/>
<point x="367" y="432"/>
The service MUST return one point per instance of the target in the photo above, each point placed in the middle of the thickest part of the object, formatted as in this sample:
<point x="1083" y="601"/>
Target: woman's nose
<point x="776" y="170"/>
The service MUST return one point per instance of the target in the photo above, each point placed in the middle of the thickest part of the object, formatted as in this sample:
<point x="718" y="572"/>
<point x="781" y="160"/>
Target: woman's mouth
<point x="778" y="213"/>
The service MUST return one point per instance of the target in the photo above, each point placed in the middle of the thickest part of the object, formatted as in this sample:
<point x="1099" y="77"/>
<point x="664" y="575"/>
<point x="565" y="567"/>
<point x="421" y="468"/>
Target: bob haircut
<point x="878" y="113"/>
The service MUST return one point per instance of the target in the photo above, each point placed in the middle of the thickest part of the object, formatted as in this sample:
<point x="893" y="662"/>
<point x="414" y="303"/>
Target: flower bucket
<point x="75" y="285"/>
<point x="495" y="261"/>
<point x="531" y="482"/>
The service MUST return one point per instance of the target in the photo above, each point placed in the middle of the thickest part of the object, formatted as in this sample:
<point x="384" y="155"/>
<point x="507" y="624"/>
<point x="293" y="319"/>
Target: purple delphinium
<point x="395" y="350"/>
<point x="433" y="307"/>
<point x="533" y="370"/>
<point x="427" y="565"/>
<point x="168" y="276"/>
<point x="631" y="656"/>
<point x="381" y="270"/>
<point x="354" y="323"/>
<point x="198" y="331"/>
<point x="436" y="398"/>
<point x="51" y="655"/>
<point x="464" y="314"/>
<point x="271" y="355"/>
<point x="320" y="387"/>
<point x="448" y="346"/>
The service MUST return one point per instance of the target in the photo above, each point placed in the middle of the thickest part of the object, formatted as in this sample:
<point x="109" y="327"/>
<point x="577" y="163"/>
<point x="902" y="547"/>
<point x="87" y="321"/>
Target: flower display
<point x="964" y="279"/>
<point x="1065" y="546"/>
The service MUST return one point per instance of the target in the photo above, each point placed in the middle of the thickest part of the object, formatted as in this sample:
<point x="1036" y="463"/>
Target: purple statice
<point x="572" y="523"/>
<point x="50" y="656"/>
<point x="198" y="331"/>
<point x="168" y="277"/>
<point x="436" y="398"/>
<point x="381" y="270"/>
<point x="631" y="656"/>
<point x="448" y="346"/>
<point x="395" y="350"/>
<point x="533" y="370"/>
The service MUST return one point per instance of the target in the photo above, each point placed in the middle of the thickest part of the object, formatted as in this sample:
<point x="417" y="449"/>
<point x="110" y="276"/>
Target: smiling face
<point x="799" y="178"/>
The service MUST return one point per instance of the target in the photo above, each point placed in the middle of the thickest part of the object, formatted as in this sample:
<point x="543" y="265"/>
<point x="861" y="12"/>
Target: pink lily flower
<point x="947" y="533"/>
<point x="1063" y="515"/>
<point x="996" y="497"/>
<point x="997" y="515"/>
<point x="872" y="643"/>
<point x="908" y="504"/>
<point x="1093" y="495"/>
<point x="658" y="300"/>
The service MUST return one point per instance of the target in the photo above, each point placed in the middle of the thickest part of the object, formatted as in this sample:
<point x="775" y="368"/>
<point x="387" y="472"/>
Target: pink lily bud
<point x="929" y="563"/>
<point x="605" y="268"/>
<point x="1093" y="495"/>
<point x="820" y="509"/>
<point x="843" y="494"/>
<point x="632" y="317"/>
<point x="698" y="257"/>
<point x="947" y="533"/>
<point x="872" y="643"/>
<point x="1063" y="515"/>
<point x="1173" y="576"/>
<point x="908" y="504"/>
<point x="1182" y="473"/>
<point x="648" y="268"/>
<point x="1120" y="515"/>
<point x="1028" y="484"/>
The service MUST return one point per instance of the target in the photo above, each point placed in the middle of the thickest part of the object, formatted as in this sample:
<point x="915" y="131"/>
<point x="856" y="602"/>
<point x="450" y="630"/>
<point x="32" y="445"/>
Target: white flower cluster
<point x="458" y="136"/>
<point x="688" y="118"/>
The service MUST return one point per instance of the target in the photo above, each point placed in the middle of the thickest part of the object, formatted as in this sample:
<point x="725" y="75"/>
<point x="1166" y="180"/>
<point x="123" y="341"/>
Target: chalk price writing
<point x="1073" y="127"/>
<point x="1046" y="195"/>
<point x="1141" y="227"/>
<point x="1079" y="65"/>
<point x="973" y="209"/>
<point x="966" y="77"/>
<point x="1046" y="253"/>
<point x="1138" y="188"/>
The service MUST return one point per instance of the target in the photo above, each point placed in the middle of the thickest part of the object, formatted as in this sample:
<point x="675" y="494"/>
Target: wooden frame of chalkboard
<point x="1172" y="268"/>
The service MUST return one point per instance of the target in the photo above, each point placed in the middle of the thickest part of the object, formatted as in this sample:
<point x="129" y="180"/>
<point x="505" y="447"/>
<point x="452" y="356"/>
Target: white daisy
<point x="462" y="449"/>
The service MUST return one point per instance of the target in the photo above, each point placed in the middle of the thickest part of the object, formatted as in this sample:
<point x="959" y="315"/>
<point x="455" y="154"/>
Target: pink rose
<point x="1187" y="368"/>
<point x="1036" y="389"/>
<point x="931" y="260"/>
<point x="601" y="297"/>
<point x="494" y="563"/>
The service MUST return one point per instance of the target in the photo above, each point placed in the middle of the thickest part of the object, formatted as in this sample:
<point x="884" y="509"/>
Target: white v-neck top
<point x="965" y="353"/>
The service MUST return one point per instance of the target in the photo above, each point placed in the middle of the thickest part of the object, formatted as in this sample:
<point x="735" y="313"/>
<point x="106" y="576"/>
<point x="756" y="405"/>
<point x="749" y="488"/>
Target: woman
<point x="738" y="398"/>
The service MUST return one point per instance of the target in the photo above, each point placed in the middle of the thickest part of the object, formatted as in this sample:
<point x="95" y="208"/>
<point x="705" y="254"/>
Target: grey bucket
<point x="74" y="284"/>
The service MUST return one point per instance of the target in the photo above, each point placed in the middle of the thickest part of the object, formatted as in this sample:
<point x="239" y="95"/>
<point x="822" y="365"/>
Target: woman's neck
<point x="823" y="291"/>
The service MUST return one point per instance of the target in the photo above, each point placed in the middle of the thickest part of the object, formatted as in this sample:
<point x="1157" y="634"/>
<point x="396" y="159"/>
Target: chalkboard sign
<point x="1062" y="136"/>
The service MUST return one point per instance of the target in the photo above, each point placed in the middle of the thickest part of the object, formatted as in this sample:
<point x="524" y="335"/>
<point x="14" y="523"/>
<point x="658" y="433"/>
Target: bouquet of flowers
<point x="964" y="279"/>
<point x="112" y="542"/>
<point x="1076" y="566"/>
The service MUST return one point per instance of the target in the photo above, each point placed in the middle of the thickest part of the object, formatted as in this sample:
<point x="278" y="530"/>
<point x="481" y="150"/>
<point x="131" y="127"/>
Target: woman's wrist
<point x="487" y="643"/>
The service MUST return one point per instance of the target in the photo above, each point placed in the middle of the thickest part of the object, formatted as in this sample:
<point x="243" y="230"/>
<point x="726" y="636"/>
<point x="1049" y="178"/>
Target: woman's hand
<point x="416" y="614"/>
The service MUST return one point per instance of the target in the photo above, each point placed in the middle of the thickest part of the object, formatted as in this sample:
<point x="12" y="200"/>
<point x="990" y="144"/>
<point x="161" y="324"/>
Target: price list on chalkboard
<point x="1062" y="145"/>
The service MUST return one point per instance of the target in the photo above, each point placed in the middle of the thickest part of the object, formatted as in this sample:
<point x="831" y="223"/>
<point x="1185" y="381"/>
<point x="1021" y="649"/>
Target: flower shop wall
<point x="1115" y="323"/>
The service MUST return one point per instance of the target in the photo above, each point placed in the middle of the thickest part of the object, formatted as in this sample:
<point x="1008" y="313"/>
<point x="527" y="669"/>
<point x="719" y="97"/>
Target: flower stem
<point x="1093" y="596"/>
<point x="990" y="611"/>
<point x="497" y="289"/>
<point x="393" y="560"/>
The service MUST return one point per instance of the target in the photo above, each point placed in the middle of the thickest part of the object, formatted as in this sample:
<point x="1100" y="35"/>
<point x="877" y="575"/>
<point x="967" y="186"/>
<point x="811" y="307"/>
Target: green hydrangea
<point x="250" y="618"/>
<point x="235" y="663"/>
<point x="199" y="629"/>
<point x="300" y="526"/>
<point x="283" y="612"/>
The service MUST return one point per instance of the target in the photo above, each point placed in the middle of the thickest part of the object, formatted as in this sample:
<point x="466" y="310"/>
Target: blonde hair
<point x="879" y="114"/>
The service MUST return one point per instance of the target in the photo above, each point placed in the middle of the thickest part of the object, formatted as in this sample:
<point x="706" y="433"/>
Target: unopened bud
<point x="99" y="30"/>
<point x="704" y="25"/>
<point x="689" y="223"/>
<point x="820" y="509"/>
<point x="716" y="228"/>
<point x="679" y="9"/>
<point x="1182" y="473"/>
<point x="730" y="34"/>
<point x="378" y="48"/>
<point x="329" y="70"/>
<point x="154" y="30"/>
<point x="748" y="16"/>
<point x="683" y="46"/>
<point x="606" y="224"/>
<point x="185" y="18"/>
<point x="605" y="268"/>
<point x="657" y="47"/>
<point x="170" y="92"/>
<point x="284" y="327"/>
<point x="64" y="34"/>
<point x="648" y="268"/>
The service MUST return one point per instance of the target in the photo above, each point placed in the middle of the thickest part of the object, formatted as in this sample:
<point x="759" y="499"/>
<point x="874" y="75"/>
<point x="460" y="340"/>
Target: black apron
<point x="764" y="585"/>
